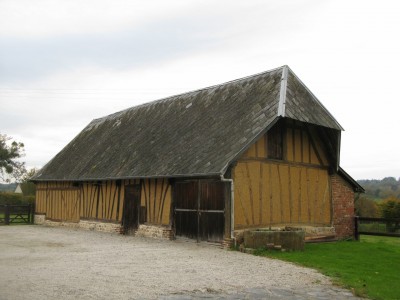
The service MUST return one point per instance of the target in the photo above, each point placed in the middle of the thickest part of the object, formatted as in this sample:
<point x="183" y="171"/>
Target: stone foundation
<point x="155" y="231"/>
<point x="144" y="230"/>
<point x="60" y="224"/>
<point x="228" y="243"/>
<point x="100" y="226"/>
<point x="40" y="219"/>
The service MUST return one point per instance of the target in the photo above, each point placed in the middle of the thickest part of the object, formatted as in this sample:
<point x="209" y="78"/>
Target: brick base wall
<point x="343" y="207"/>
<point x="154" y="231"/>
<point x="100" y="226"/>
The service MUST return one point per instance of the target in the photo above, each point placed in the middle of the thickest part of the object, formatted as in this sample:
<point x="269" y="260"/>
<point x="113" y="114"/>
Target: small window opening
<point x="275" y="142"/>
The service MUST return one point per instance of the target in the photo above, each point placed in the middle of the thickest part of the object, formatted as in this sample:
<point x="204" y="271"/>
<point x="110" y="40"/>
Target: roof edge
<point x="131" y="177"/>
<point x="357" y="187"/>
<point x="316" y="99"/>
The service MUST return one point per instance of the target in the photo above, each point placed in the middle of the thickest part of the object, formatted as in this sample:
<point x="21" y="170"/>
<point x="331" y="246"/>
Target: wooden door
<point x="199" y="210"/>
<point x="130" y="220"/>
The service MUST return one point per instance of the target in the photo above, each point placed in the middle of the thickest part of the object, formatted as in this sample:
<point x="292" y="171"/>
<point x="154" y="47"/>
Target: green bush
<point x="15" y="199"/>
<point x="390" y="208"/>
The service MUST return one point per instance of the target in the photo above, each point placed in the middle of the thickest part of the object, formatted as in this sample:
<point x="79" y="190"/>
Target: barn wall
<point x="156" y="197"/>
<point x="102" y="201"/>
<point x="58" y="200"/>
<point x="301" y="145"/>
<point x="269" y="193"/>
<point x="295" y="190"/>
<point x="343" y="207"/>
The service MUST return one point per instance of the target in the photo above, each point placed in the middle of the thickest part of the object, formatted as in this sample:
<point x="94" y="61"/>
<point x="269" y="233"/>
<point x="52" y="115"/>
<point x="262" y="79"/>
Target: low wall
<point x="288" y="240"/>
<point x="310" y="231"/>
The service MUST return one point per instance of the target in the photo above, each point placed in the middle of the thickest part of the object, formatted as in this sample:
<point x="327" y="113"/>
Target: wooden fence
<point x="376" y="226"/>
<point x="16" y="214"/>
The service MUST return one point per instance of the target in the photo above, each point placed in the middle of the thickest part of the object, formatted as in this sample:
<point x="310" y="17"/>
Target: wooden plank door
<point x="186" y="194"/>
<point x="212" y="211"/>
<point x="130" y="220"/>
<point x="199" y="210"/>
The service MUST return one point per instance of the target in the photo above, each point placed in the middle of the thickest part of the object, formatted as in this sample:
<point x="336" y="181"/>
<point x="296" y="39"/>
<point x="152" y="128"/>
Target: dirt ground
<point x="39" y="262"/>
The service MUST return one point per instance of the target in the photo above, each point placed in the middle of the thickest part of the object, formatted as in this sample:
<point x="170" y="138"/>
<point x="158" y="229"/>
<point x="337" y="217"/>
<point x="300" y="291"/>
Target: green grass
<point x="371" y="267"/>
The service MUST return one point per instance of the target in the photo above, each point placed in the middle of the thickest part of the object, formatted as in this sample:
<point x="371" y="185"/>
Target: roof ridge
<point x="170" y="98"/>
<point x="282" y="93"/>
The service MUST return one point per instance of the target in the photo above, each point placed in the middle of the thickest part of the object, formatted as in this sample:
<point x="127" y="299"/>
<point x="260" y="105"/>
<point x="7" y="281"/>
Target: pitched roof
<point x="198" y="133"/>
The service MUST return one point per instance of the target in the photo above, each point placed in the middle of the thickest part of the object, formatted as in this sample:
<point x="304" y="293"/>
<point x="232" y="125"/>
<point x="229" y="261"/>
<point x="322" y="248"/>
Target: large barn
<point x="257" y="152"/>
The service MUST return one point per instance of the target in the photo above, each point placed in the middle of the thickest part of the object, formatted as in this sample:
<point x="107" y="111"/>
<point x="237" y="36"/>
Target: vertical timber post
<point x="227" y="209"/>
<point x="32" y="213"/>
<point x="198" y="210"/>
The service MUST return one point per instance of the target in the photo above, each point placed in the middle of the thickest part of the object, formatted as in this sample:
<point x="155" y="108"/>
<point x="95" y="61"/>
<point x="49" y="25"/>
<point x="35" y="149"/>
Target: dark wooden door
<point x="199" y="210"/>
<point x="130" y="220"/>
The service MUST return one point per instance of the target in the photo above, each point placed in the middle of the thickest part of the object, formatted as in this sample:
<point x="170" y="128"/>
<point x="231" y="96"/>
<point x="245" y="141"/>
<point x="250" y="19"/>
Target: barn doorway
<point x="130" y="220"/>
<point x="199" y="211"/>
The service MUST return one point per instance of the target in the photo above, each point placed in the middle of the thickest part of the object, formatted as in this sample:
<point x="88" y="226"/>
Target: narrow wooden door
<point x="130" y="220"/>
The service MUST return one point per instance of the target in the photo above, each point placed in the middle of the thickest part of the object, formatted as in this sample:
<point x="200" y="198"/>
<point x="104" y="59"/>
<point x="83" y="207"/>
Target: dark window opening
<point x="275" y="142"/>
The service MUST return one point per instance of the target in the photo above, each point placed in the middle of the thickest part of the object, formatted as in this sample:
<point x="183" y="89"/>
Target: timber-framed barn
<point x="257" y="152"/>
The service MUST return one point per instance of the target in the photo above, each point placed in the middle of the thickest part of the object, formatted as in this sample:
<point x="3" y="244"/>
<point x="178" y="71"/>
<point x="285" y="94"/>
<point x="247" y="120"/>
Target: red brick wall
<point x="343" y="207"/>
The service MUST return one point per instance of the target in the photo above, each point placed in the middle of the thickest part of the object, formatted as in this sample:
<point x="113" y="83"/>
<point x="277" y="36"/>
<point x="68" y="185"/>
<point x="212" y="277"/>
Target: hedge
<point x="15" y="199"/>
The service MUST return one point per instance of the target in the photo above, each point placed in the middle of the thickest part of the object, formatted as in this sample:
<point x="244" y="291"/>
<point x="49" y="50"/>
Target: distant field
<point x="369" y="267"/>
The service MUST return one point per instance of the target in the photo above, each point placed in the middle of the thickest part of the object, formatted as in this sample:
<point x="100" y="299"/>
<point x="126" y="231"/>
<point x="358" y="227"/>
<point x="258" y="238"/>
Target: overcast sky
<point x="64" y="63"/>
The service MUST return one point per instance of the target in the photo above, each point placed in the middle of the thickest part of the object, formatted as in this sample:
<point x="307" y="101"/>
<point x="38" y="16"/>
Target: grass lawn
<point x="370" y="267"/>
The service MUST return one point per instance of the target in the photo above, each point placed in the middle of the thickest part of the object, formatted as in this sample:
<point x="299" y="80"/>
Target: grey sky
<point x="64" y="63"/>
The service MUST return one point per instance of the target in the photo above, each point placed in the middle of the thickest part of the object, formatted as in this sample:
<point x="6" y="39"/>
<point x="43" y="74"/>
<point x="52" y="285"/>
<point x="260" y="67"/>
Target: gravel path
<point x="38" y="262"/>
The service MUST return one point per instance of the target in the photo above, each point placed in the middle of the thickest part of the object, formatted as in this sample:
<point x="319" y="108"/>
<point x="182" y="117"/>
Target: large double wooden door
<point x="199" y="211"/>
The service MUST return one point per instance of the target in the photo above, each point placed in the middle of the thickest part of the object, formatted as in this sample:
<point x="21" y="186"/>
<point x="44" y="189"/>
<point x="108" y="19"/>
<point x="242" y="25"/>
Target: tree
<point x="390" y="209"/>
<point x="366" y="207"/>
<point x="10" y="151"/>
<point x="28" y="187"/>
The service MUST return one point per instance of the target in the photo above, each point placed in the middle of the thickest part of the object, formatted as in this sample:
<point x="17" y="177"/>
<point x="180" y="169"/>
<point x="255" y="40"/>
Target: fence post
<point x="29" y="213"/>
<point x="32" y="213"/>
<point x="6" y="214"/>
<point x="356" y="234"/>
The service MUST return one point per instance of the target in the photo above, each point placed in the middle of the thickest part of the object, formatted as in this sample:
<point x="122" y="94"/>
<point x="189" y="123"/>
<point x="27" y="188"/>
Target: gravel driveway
<point x="38" y="262"/>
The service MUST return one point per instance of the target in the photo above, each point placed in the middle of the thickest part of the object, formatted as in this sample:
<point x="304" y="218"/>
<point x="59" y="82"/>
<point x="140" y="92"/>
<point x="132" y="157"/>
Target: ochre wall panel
<point x="156" y="197"/>
<point x="300" y="145"/>
<point x="268" y="193"/>
<point x="58" y="200"/>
